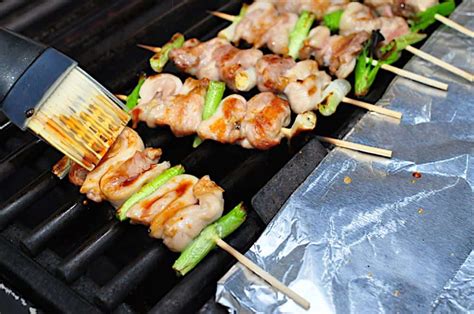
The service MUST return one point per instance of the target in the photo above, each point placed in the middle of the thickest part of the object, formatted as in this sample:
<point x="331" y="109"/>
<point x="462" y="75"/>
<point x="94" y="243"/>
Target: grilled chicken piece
<point x="259" y="19"/>
<point x="77" y="174"/>
<point x="154" y="95"/>
<point x="337" y="52"/>
<point x="266" y="115"/>
<point x="271" y="70"/>
<point x="237" y="66"/>
<point x="188" y="222"/>
<point x="277" y="37"/>
<point x="305" y="95"/>
<point x="405" y="8"/>
<point x="318" y="7"/>
<point x="358" y="17"/>
<point x="124" y="147"/>
<point x="225" y="124"/>
<point x="176" y="192"/>
<point x="197" y="58"/>
<point x="121" y="182"/>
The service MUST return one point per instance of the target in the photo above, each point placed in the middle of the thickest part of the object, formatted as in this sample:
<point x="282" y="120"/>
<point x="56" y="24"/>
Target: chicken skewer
<point x="181" y="209"/>
<point x="339" y="52"/>
<point x="357" y="17"/>
<point x="243" y="69"/>
<point x="262" y="121"/>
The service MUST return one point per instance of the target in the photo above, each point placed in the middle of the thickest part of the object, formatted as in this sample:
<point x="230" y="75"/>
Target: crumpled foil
<point x="365" y="234"/>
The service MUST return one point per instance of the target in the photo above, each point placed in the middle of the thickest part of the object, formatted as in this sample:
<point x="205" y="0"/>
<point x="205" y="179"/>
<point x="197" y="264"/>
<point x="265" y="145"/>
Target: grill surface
<point x="67" y="254"/>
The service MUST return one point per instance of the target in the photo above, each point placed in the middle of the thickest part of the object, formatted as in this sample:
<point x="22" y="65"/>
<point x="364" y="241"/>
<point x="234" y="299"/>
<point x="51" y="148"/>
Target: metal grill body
<point x="68" y="254"/>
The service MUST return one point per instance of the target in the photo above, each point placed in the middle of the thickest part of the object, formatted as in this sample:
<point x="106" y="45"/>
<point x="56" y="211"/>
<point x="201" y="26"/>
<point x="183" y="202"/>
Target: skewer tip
<point x="224" y="16"/>
<point x="150" y="48"/>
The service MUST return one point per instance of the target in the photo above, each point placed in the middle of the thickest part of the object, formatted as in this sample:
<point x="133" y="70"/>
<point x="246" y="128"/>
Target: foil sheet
<point x="365" y="234"/>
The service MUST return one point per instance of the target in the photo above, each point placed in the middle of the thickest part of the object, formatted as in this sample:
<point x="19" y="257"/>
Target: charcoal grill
<point x="67" y="254"/>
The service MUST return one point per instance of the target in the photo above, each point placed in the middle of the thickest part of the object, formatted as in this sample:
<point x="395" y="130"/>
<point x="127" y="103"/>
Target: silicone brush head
<point x="80" y="118"/>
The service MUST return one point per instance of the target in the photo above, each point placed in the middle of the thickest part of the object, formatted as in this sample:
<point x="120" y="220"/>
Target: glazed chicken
<point x="358" y="17"/>
<point x="179" y="210"/>
<point x="337" y="52"/>
<point x="176" y="212"/>
<point x="125" y="168"/>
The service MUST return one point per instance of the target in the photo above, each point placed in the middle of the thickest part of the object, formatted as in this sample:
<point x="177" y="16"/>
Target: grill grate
<point x="68" y="254"/>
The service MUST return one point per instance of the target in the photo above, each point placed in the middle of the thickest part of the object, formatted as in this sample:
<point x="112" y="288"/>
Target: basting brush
<point x="46" y="92"/>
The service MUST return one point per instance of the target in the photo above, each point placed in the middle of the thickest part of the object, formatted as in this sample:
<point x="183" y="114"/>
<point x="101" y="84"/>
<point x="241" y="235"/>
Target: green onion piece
<point x="132" y="99"/>
<point x="365" y="72"/>
<point x="159" y="60"/>
<point x="424" y="19"/>
<point x="214" y="94"/>
<point x="332" y="20"/>
<point x="148" y="189"/>
<point x="228" y="32"/>
<point x="300" y="33"/>
<point x="206" y="241"/>
<point x="400" y="43"/>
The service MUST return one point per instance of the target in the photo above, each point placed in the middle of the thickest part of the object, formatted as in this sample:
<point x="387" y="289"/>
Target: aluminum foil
<point x="365" y="234"/>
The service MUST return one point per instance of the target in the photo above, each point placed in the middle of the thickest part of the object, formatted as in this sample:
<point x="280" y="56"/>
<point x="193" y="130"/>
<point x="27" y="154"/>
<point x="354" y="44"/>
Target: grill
<point x="67" y="254"/>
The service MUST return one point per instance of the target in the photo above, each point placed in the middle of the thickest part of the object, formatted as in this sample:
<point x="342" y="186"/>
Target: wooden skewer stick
<point x="275" y="283"/>
<point x="454" y="25"/>
<point x="358" y="147"/>
<point x="150" y="48"/>
<point x="440" y="63"/>
<point x="412" y="76"/>
<point x="121" y="97"/>
<point x="224" y="16"/>
<point x="370" y="107"/>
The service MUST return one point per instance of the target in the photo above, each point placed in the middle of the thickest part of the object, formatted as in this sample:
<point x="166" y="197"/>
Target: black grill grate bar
<point x="115" y="291"/>
<point x="73" y="266"/>
<point x="39" y="237"/>
<point x="20" y="201"/>
<point x="15" y="160"/>
<point x="194" y="289"/>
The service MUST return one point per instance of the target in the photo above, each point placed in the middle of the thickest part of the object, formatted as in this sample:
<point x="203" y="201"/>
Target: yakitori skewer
<point x="424" y="20"/>
<point x="304" y="122"/>
<point x="358" y="147"/>
<point x="347" y="100"/>
<point x="189" y="221"/>
<point x="407" y="74"/>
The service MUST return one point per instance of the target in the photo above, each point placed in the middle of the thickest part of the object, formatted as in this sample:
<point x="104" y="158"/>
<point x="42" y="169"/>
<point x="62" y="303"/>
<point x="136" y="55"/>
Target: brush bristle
<point x="80" y="118"/>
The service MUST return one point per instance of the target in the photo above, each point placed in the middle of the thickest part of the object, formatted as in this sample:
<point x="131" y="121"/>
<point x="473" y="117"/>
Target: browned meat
<point x="405" y="8"/>
<point x="77" y="174"/>
<point x="266" y="115"/>
<point x="260" y="17"/>
<point x="337" y="52"/>
<point x="318" y="7"/>
<point x="225" y="124"/>
<point x="271" y="70"/>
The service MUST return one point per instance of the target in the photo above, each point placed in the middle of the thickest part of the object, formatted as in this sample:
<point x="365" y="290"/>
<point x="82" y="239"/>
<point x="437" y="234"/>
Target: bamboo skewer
<point x="275" y="283"/>
<point x="121" y="97"/>
<point x="454" y="25"/>
<point x="413" y="76"/>
<point x="224" y="16"/>
<point x="150" y="48"/>
<point x="358" y="147"/>
<point x="370" y="107"/>
<point x="440" y="63"/>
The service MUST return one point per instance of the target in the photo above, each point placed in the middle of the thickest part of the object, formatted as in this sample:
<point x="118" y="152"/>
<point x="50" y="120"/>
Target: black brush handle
<point x="17" y="53"/>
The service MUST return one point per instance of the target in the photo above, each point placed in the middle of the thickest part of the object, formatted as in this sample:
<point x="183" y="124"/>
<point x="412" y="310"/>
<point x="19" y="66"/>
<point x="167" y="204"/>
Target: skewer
<point x="150" y="48"/>
<point x="440" y="63"/>
<point x="454" y="25"/>
<point x="358" y="103"/>
<point x="386" y="67"/>
<point x="121" y="97"/>
<point x="413" y="76"/>
<point x="370" y="107"/>
<point x="224" y="16"/>
<point x="275" y="283"/>
<point x="359" y="147"/>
